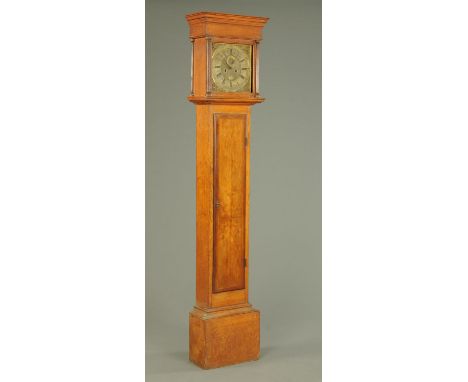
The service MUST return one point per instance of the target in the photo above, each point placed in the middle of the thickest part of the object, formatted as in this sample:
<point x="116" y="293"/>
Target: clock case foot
<point x="224" y="337"/>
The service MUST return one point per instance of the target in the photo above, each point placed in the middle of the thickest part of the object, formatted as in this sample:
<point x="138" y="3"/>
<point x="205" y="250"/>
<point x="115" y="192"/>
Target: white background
<point x="72" y="191"/>
<point x="395" y="210"/>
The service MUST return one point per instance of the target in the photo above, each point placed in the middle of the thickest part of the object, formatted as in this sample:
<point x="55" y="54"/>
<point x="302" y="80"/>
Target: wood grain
<point x="220" y="339"/>
<point x="204" y="205"/>
<point x="199" y="66"/>
<point x="236" y="117"/>
<point x="230" y="134"/>
<point x="203" y="24"/>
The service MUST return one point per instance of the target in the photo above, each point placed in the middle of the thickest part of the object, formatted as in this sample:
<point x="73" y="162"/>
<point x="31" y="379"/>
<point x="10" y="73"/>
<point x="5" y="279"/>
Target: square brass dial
<point x="231" y="68"/>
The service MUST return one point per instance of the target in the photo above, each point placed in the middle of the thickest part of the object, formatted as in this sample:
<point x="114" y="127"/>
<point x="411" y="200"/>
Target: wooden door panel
<point x="229" y="199"/>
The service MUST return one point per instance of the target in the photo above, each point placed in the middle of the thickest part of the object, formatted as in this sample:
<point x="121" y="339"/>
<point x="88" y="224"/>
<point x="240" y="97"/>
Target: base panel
<point x="224" y="337"/>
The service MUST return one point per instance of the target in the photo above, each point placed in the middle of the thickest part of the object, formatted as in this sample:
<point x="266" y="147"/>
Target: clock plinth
<point x="224" y="328"/>
<point x="224" y="337"/>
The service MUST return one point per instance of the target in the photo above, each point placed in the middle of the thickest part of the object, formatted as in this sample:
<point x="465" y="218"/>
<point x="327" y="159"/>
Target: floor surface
<point x="295" y="358"/>
<point x="292" y="363"/>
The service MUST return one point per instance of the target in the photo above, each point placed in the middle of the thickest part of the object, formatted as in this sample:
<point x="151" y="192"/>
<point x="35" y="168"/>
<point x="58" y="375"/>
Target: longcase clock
<point x="224" y="327"/>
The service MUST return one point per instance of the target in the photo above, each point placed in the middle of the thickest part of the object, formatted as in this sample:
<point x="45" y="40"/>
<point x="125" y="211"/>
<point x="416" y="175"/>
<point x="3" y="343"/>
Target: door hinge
<point x="245" y="262"/>
<point x="246" y="141"/>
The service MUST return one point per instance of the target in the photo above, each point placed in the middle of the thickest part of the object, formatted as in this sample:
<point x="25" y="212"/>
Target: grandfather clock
<point x="224" y="327"/>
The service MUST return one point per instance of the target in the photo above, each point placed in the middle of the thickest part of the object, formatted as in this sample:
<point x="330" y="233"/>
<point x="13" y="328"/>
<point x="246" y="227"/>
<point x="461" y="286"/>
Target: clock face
<point x="231" y="67"/>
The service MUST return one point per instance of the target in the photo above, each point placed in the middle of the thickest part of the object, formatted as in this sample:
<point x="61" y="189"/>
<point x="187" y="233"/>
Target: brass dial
<point x="230" y="67"/>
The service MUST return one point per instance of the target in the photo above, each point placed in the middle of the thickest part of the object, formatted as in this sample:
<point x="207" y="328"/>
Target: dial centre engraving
<point x="231" y="67"/>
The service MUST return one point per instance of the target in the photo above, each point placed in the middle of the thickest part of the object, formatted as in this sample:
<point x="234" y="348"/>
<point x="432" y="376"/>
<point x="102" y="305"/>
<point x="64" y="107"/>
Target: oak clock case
<point x="224" y="328"/>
